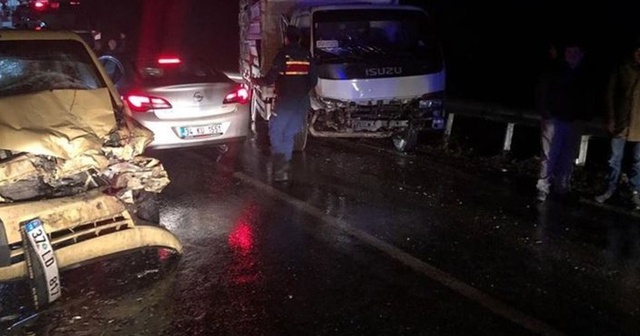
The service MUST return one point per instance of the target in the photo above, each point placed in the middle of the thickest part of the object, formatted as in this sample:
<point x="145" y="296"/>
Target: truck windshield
<point x="352" y="34"/>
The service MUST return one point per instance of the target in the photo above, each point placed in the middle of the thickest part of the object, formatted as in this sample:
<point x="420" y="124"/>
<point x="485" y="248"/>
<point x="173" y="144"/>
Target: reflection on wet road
<point x="361" y="242"/>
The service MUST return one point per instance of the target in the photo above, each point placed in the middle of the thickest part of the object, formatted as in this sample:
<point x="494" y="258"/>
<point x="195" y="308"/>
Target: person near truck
<point x="562" y="99"/>
<point x="294" y="75"/>
<point x="623" y="123"/>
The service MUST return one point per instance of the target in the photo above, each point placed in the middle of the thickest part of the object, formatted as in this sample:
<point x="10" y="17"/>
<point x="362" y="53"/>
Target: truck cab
<point x="380" y="65"/>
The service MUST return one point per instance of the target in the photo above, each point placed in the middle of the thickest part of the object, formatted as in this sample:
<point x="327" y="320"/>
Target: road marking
<point x="446" y="279"/>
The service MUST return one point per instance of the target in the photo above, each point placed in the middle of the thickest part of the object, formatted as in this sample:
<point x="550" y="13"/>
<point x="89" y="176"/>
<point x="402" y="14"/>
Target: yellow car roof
<point x="10" y="34"/>
<point x="60" y="35"/>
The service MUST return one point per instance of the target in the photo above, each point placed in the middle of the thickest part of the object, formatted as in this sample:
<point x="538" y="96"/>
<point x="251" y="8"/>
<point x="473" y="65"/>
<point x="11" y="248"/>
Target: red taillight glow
<point x="40" y="4"/>
<point x="240" y="95"/>
<point x="142" y="103"/>
<point x="169" y="60"/>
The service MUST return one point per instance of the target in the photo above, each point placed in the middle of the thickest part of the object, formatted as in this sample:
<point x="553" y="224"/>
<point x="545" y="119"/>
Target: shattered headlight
<point x="332" y="104"/>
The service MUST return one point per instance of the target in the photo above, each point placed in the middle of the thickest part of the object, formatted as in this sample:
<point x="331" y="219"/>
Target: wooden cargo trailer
<point x="262" y="25"/>
<point x="396" y="97"/>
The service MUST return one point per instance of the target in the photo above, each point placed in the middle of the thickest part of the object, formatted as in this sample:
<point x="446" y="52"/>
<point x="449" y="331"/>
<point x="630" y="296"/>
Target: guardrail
<point x="512" y="117"/>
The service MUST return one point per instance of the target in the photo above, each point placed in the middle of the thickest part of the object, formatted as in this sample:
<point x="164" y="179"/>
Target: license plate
<point x="200" y="131"/>
<point x="39" y="241"/>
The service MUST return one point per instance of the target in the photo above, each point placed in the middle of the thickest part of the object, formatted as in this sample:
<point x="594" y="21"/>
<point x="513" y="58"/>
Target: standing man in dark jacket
<point x="623" y="123"/>
<point x="563" y="100"/>
<point x="294" y="75"/>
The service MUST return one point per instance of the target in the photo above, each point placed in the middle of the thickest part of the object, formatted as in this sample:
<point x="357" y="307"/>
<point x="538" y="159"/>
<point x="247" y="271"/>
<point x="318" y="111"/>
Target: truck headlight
<point x="430" y="103"/>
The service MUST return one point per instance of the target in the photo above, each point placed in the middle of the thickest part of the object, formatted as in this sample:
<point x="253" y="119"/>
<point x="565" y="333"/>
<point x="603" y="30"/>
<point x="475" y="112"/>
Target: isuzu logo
<point x="384" y="71"/>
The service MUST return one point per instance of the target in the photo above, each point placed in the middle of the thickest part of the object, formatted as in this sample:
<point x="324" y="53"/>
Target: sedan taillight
<point x="143" y="103"/>
<point x="240" y="96"/>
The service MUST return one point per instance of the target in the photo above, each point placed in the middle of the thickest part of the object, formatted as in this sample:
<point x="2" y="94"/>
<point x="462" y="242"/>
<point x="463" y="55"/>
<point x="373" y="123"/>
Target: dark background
<point x="493" y="50"/>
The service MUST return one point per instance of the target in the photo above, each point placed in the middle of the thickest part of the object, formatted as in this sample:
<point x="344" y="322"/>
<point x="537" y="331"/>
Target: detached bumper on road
<point x="82" y="229"/>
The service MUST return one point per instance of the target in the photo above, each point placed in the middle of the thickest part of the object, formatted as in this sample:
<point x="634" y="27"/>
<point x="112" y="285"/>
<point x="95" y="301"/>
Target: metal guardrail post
<point x="584" y="146"/>
<point x="448" y="128"/>
<point x="517" y="116"/>
<point x="508" y="137"/>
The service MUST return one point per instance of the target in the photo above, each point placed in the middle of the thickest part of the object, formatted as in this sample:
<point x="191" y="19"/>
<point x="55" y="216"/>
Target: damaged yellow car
<point x="74" y="185"/>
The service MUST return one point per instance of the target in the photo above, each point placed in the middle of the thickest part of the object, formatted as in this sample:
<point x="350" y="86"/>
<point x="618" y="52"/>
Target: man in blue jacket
<point x="294" y="75"/>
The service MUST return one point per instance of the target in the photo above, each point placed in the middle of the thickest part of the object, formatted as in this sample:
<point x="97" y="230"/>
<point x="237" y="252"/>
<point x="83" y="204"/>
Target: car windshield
<point x="34" y="66"/>
<point x="355" y="34"/>
<point x="171" y="71"/>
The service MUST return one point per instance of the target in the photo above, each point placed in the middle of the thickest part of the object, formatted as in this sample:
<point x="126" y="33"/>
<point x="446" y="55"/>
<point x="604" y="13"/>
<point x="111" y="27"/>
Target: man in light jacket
<point x="623" y="123"/>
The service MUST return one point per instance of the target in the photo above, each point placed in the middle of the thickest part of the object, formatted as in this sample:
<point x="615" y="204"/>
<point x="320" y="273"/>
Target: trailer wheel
<point x="300" y="140"/>
<point x="407" y="140"/>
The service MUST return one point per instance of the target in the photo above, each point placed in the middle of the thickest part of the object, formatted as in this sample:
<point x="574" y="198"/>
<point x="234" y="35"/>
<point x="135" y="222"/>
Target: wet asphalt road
<point x="363" y="241"/>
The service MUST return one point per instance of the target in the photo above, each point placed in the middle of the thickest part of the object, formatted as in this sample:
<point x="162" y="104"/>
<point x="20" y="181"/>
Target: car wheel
<point x="147" y="207"/>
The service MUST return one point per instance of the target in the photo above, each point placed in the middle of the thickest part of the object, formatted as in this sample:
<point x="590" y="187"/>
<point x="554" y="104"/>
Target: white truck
<point x="380" y="64"/>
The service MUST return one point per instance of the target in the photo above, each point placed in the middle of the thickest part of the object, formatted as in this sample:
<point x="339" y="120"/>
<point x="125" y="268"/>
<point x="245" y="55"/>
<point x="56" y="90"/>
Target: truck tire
<point x="406" y="141"/>
<point x="300" y="140"/>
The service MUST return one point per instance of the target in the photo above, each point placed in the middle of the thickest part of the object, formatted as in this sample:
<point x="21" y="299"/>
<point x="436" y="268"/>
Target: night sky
<point x="203" y="27"/>
<point x="493" y="50"/>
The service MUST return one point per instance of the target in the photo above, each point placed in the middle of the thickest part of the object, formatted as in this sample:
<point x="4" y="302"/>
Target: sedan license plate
<point x="44" y="268"/>
<point x="200" y="131"/>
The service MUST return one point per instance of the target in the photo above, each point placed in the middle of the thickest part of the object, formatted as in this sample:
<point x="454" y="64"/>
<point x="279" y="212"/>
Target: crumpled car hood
<point x="65" y="142"/>
<point x="60" y="123"/>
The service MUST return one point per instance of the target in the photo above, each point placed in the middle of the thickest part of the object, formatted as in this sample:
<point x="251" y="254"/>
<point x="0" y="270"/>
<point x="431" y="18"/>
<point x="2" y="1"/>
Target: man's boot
<point x="605" y="196"/>
<point x="282" y="174"/>
<point x="280" y="168"/>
